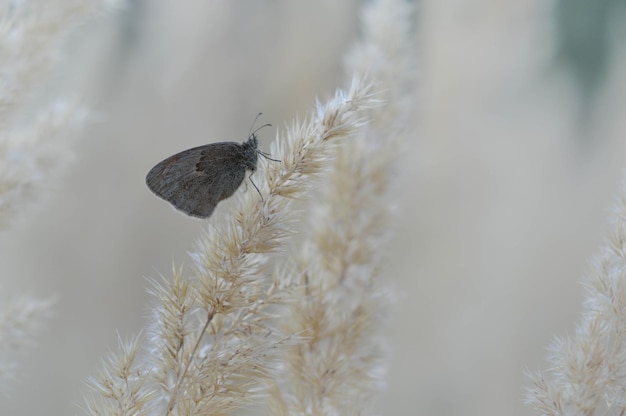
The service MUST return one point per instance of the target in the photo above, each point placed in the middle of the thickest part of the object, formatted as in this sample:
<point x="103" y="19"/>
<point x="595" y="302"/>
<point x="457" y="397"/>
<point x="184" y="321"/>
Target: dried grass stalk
<point x="341" y="308"/>
<point x="587" y="374"/>
<point x="212" y="341"/>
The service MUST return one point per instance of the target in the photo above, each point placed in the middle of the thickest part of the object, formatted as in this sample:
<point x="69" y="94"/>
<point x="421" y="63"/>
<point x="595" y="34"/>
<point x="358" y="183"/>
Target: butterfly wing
<point x="195" y="180"/>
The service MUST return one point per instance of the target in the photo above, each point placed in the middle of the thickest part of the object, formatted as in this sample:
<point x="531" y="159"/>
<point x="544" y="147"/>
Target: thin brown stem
<point x="179" y="382"/>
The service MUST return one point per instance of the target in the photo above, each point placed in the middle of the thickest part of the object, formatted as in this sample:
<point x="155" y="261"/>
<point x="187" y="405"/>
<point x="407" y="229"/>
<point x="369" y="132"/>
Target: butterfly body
<point x="196" y="179"/>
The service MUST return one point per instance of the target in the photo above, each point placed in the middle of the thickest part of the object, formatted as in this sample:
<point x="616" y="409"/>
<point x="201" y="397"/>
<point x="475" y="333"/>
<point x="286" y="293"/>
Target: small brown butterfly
<point x="196" y="179"/>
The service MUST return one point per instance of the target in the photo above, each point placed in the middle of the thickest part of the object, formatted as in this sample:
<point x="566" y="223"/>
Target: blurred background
<point x="502" y="198"/>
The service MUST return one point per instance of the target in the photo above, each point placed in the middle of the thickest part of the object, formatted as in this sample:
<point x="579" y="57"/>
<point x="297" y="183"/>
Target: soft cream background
<point x="502" y="196"/>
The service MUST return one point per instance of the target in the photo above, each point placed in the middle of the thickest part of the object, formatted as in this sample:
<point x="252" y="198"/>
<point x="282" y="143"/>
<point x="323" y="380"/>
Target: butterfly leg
<point x="255" y="187"/>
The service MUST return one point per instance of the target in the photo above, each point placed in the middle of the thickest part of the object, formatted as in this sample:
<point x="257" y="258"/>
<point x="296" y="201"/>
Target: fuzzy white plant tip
<point x="36" y="132"/>
<point x="586" y="375"/>
<point x="21" y="319"/>
<point x="338" y="368"/>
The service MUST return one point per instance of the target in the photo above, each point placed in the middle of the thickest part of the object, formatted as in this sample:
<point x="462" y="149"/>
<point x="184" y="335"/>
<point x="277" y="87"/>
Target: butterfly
<point x="196" y="180"/>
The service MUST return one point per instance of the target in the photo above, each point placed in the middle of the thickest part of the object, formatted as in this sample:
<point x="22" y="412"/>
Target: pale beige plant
<point x="229" y="330"/>
<point x="587" y="373"/>
<point x="341" y="307"/>
<point x="35" y="148"/>
<point x="33" y="156"/>
<point x="213" y="340"/>
<point x="21" y="319"/>
<point x="34" y="136"/>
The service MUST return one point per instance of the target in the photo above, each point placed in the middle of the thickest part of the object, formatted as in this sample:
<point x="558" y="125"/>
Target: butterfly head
<point x="250" y="151"/>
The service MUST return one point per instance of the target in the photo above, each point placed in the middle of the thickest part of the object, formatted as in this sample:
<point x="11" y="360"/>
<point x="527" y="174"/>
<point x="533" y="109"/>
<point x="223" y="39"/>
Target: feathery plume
<point x="587" y="374"/>
<point x="212" y="341"/>
<point x="338" y="370"/>
<point x="119" y="388"/>
<point x="21" y="319"/>
<point x="32" y="152"/>
<point x="34" y="145"/>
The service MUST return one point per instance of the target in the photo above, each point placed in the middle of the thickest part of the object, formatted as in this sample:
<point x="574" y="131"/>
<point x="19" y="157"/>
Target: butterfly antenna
<point x="264" y="125"/>
<point x="254" y="122"/>
<point x="265" y="155"/>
